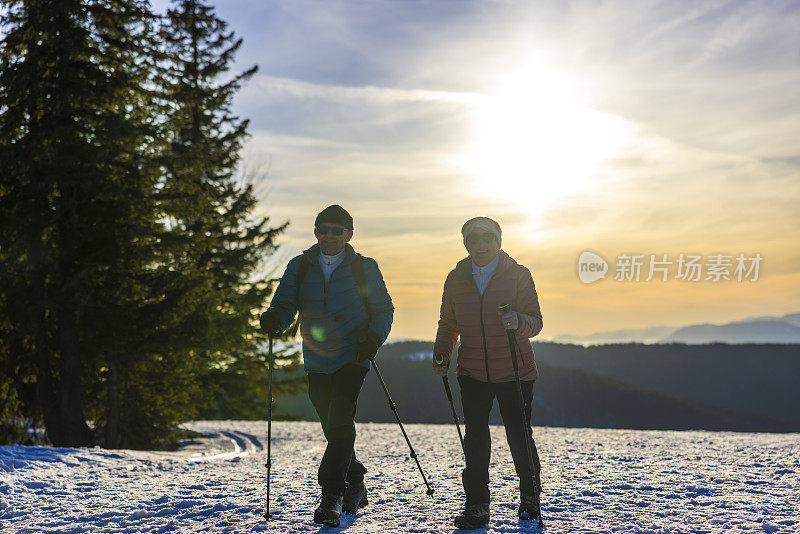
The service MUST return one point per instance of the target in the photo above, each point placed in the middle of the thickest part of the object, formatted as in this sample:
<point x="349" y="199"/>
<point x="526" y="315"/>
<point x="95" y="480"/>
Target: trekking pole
<point x="446" y="382"/>
<point x="403" y="430"/>
<point x="268" y="465"/>
<point x="512" y="343"/>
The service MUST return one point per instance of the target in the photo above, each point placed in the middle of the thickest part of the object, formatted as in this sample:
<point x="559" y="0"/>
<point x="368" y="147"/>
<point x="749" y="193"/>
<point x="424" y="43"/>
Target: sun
<point x="533" y="142"/>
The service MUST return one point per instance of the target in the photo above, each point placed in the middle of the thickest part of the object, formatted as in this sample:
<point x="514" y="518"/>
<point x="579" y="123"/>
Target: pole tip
<point x="430" y="491"/>
<point x="267" y="515"/>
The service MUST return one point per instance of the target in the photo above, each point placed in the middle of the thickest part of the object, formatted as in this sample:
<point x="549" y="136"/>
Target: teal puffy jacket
<point x="332" y="314"/>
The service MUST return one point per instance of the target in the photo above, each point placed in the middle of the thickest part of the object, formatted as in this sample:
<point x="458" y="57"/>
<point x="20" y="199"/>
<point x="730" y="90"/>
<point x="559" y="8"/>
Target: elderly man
<point x="345" y="315"/>
<point x="473" y="292"/>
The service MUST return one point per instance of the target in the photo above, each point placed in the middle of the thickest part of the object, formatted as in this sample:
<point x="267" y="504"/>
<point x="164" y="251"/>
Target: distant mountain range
<point x="763" y="329"/>
<point x="749" y="388"/>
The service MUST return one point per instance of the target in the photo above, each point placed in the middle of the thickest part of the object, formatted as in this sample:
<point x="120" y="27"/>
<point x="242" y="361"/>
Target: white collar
<point x="489" y="268"/>
<point x="324" y="259"/>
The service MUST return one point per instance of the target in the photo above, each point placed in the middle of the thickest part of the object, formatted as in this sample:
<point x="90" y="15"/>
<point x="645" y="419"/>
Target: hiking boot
<point x="473" y="516"/>
<point x="355" y="497"/>
<point x="329" y="510"/>
<point x="528" y="506"/>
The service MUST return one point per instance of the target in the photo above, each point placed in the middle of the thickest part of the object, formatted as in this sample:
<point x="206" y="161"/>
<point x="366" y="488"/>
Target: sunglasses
<point x="474" y="239"/>
<point x="333" y="230"/>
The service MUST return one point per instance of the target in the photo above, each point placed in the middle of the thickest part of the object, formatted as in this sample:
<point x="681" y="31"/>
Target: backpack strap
<point x="302" y="271"/>
<point x="357" y="266"/>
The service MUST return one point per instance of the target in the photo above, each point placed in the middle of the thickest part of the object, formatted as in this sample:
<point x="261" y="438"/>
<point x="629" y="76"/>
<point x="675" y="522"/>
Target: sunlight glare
<point x="533" y="142"/>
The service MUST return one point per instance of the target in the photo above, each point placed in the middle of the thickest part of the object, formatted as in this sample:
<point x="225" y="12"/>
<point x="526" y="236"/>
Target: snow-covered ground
<point x="594" y="481"/>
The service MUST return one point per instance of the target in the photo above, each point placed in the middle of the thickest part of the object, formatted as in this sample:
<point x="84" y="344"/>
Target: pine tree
<point x="211" y="209"/>
<point x="79" y="230"/>
<point x="129" y="254"/>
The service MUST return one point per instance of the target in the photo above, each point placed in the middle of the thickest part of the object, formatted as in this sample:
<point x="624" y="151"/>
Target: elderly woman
<point x="473" y="293"/>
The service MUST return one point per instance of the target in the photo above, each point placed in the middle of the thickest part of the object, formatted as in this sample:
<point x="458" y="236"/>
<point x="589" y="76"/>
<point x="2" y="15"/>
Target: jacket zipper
<point x="483" y="336"/>
<point x="325" y="284"/>
<point x="483" y="327"/>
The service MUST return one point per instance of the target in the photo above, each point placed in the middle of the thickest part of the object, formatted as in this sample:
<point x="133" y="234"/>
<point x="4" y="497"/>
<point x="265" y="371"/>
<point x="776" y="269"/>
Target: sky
<point x="616" y="128"/>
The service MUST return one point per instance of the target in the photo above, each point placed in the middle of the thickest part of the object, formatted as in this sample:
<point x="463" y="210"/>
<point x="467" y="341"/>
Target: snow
<point x="594" y="481"/>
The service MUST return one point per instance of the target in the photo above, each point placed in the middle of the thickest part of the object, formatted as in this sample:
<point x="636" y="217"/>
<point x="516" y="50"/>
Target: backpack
<point x="357" y="268"/>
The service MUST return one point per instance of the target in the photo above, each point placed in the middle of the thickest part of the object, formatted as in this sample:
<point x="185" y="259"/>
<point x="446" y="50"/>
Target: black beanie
<point x="335" y="214"/>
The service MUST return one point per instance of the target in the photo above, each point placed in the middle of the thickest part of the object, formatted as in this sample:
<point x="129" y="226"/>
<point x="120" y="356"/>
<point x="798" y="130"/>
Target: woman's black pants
<point x="477" y="398"/>
<point x="334" y="397"/>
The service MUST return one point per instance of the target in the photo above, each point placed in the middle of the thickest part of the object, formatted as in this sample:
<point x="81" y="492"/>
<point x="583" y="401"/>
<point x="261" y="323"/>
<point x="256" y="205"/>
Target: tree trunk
<point x="61" y="398"/>
<point x="62" y="407"/>
<point x="112" y="435"/>
<point x="46" y="395"/>
<point x="78" y="433"/>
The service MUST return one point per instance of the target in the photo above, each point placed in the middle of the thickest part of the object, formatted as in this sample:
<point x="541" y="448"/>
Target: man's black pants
<point x="334" y="397"/>
<point x="477" y="398"/>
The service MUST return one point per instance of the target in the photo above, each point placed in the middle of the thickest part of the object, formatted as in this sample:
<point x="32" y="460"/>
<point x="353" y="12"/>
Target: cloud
<point x="276" y="87"/>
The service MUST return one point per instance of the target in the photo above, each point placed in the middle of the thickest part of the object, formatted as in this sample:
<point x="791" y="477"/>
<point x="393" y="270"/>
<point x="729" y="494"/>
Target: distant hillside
<point x="644" y="335"/>
<point x="755" y="378"/>
<point x="762" y="329"/>
<point x="759" y="331"/>
<point x="564" y="396"/>
<point x="792" y="318"/>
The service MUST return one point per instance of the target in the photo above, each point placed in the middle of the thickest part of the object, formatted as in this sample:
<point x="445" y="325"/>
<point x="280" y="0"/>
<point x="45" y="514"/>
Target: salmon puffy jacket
<point x="484" y="353"/>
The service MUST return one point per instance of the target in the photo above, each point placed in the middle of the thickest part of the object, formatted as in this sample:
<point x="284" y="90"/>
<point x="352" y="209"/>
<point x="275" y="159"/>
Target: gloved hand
<point x="510" y="320"/>
<point x="271" y="323"/>
<point x="440" y="368"/>
<point x="367" y="346"/>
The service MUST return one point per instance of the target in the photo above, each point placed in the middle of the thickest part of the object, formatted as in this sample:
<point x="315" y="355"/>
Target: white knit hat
<point x="484" y="223"/>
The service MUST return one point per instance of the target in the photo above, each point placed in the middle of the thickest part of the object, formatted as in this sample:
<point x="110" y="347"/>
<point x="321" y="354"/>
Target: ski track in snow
<point x="594" y="481"/>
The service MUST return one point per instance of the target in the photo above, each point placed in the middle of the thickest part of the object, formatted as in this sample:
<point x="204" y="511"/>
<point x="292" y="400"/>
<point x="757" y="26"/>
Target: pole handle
<point x="505" y="308"/>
